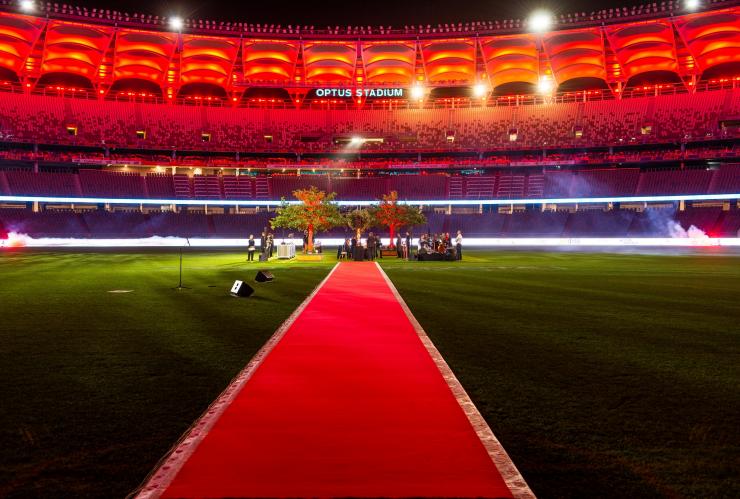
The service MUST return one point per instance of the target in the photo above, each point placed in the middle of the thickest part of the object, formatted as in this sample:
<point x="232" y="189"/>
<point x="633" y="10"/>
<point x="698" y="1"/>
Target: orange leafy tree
<point x="388" y="213"/>
<point x="315" y="212"/>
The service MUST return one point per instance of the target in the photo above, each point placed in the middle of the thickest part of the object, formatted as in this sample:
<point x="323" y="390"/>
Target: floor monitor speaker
<point x="241" y="289"/>
<point x="264" y="276"/>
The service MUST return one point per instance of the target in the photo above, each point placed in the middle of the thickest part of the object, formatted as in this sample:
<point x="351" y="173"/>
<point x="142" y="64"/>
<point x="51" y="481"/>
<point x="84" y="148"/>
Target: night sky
<point x="374" y="12"/>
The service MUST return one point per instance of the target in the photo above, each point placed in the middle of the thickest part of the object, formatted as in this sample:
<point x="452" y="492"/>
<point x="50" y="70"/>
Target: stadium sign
<point x="361" y="92"/>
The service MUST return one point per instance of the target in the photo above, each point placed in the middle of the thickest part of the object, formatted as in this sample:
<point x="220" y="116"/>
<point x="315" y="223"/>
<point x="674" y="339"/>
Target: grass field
<point x="603" y="375"/>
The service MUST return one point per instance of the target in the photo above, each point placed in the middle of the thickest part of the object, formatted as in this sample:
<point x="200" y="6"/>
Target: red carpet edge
<point x="505" y="466"/>
<point x="165" y="470"/>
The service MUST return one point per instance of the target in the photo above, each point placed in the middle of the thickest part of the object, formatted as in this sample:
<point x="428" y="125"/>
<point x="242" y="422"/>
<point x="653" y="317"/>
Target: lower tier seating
<point x="654" y="222"/>
<point x="500" y="185"/>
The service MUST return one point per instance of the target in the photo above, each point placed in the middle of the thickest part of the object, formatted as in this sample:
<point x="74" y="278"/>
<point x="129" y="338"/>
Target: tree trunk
<point x="309" y="245"/>
<point x="358" y="235"/>
<point x="393" y="241"/>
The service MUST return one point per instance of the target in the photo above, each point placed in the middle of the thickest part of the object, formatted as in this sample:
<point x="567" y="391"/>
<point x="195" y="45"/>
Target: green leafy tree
<point x="359" y="220"/>
<point x="316" y="212"/>
<point x="388" y="213"/>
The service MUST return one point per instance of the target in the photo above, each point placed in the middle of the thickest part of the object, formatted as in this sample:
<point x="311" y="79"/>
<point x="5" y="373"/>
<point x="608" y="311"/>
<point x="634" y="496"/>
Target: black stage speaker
<point x="264" y="276"/>
<point x="241" y="289"/>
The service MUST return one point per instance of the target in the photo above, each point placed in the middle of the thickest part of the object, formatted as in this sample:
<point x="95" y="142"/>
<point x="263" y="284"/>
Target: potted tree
<point x="359" y="220"/>
<point x="388" y="213"/>
<point x="315" y="212"/>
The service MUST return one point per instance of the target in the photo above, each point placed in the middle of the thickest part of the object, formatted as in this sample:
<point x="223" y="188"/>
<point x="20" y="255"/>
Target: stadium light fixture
<point x="27" y="6"/>
<point x="540" y="21"/>
<point x="480" y="90"/>
<point x="417" y="92"/>
<point x="692" y="5"/>
<point x="544" y="85"/>
<point x="356" y="141"/>
<point x="176" y="23"/>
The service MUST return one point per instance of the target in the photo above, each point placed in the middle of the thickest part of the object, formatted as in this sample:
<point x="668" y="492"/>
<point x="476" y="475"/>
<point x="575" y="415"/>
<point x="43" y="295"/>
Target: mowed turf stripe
<point x="348" y="403"/>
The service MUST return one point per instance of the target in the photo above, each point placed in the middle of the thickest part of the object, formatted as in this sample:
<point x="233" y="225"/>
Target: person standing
<point x="251" y="248"/>
<point x="399" y="249"/>
<point x="458" y="244"/>
<point x="371" y="246"/>
<point x="270" y="244"/>
<point x="407" y="251"/>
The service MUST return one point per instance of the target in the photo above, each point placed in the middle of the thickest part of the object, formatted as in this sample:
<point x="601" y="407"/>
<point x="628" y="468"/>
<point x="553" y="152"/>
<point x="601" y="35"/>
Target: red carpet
<point x="349" y="403"/>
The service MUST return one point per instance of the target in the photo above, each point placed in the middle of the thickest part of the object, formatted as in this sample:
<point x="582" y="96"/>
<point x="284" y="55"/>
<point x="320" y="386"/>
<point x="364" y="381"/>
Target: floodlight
<point x="540" y="21"/>
<point x="480" y="90"/>
<point x="176" y="23"/>
<point x="27" y="6"/>
<point x="544" y="86"/>
<point x="692" y="4"/>
<point x="356" y="140"/>
<point x="417" y="92"/>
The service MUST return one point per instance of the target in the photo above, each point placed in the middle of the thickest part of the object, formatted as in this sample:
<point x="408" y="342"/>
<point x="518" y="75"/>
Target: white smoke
<point x="675" y="230"/>
<point x="15" y="240"/>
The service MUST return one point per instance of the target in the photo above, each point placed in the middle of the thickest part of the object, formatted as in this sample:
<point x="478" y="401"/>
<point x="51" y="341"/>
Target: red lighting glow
<point x="14" y="240"/>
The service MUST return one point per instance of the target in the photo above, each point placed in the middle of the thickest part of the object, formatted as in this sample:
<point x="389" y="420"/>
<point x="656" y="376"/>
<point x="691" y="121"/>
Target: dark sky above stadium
<point x="355" y="12"/>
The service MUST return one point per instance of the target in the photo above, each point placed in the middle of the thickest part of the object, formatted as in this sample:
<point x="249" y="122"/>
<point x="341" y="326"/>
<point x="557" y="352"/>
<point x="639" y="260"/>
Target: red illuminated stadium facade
<point x="624" y="103"/>
<point x="69" y="52"/>
<point x="228" y="62"/>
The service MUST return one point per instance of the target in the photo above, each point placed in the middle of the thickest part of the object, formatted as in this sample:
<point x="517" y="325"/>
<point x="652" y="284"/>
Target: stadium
<point x="489" y="258"/>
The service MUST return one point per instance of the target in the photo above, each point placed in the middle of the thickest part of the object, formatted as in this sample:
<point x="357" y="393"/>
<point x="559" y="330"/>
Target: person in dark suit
<point x="371" y="246"/>
<point x="251" y="248"/>
<point x="353" y="246"/>
<point x="458" y="245"/>
<point x="270" y="245"/>
<point x="399" y="243"/>
<point x="408" y="251"/>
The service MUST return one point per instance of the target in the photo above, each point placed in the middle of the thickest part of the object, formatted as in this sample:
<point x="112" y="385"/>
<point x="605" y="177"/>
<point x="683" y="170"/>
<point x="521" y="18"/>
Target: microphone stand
<point x="180" y="286"/>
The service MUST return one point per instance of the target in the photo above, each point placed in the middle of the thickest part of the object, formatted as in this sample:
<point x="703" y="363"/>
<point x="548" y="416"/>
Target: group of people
<point x="428" y="244"/>
<point x="441" y="244"/>
<point x="266" y="247"/>
<point x="352" y="249"/>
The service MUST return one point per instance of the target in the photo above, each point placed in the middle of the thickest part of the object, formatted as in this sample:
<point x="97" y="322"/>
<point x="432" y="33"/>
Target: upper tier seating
<point x="360" y="189"/>
<point x="96" y="183"/>
<point x="668" y="182"/>
<point x="419" y="186"/>
<point x="237" y="187"/>
<point x="661" y="119"/>
<point x="726" y="180"/>
<point x="160" y="185"/>
<point x="42" y="184"/>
